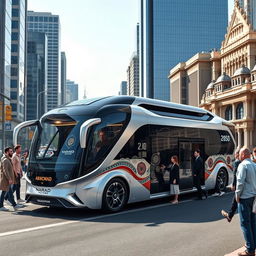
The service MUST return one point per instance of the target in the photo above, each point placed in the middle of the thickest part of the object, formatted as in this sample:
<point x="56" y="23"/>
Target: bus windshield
<point x="56" y="151"/>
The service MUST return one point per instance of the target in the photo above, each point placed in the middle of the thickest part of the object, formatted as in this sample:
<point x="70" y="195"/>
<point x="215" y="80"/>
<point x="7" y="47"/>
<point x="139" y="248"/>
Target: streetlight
<point x="3" y="119"/>
<point x="37" y="102"/>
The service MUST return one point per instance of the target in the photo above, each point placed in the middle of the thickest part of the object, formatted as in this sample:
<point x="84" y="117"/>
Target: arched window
<point x="228" y="113"/>
<point x="240" y="111"/>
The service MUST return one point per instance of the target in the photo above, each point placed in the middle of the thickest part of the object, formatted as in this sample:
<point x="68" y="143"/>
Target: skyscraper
<point x="36" y="75"/>
<point x="63" y="78"/>
<point x="133" y="76"/>
<point x="72" y="91"/>
<point x="172" y="32"/>
<point x="50" y="25"/>
<point x="123" y="88"/>
<point x="18" y="58"/>
<point x="249" y="7"/>
<point x="5" y="59"/>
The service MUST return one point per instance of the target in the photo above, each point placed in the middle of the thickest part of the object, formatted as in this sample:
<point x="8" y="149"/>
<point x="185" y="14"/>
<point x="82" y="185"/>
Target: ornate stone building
<point x="233" y="95"/>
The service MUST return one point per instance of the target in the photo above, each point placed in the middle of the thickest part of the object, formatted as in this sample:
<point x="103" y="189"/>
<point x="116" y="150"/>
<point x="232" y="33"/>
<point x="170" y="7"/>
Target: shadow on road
<point x="186" y="212"/>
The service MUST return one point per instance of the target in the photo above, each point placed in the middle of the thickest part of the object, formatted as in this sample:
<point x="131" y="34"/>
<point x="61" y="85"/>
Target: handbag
<point x="254" y="206"/>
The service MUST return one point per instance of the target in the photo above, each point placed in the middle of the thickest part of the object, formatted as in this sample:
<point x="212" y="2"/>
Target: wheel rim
<point x="222" y="180"/>
<point x="115" y="195"/>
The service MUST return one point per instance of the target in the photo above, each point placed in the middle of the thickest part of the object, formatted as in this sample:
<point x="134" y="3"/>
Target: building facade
<point x="249" y="7"/>
<point x="72" y="91"/>
<point x="133" y="86"/>
<point x="172" y="32"/>
<point x="233" y="95"/>
<point x="18" y="61"/>
<point x="188" y="80"/>
<point x="123" y="88"/>
<point x="36" y="75"/>
<point x="49" y="24"/>
<point x="5" y="63"/>
<point x="63" y="78"/>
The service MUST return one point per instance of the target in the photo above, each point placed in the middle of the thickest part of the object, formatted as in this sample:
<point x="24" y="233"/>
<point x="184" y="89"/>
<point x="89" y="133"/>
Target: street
<point x="192" y="228"/>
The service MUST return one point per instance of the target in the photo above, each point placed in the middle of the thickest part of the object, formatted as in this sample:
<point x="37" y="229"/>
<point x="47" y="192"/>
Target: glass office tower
<point x="36" y="75"/>
<point x="5" y="63"/>
<point x="18" y="67"/>
<point x="49" y="24"/>
<point x="173" y="31"/>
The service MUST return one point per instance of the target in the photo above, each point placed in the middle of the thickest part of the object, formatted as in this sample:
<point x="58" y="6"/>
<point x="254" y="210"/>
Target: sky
<point x="98" y="37"/>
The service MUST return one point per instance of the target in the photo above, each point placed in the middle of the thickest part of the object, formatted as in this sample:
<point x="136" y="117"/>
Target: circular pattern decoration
<point x="141" y="168"/>
<point x="71" y="141"/>
<point x="155" y="159"/>
<point x="210" y="162"/>
<point x="228" y="159"/>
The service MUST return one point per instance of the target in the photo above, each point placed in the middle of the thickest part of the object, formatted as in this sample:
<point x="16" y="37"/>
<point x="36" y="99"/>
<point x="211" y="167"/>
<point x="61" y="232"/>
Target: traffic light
<point x="8" y="112"/>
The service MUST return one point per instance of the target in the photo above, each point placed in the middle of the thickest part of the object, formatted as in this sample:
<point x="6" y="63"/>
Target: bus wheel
<point x="115" y="195"/>
<point x="221" y="180"/>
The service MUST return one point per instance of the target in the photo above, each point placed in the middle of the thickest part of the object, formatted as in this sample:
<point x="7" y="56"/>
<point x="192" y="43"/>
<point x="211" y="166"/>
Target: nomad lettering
<point x="40" y="178"/>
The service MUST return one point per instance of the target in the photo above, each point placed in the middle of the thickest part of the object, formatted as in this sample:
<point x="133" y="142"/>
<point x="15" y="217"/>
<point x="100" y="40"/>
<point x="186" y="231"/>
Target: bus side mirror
<point x="21" y="126"/>
<point x="84" y="130"/>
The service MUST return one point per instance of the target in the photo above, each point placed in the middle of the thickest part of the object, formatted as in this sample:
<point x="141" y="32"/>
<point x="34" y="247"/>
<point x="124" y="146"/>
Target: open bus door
<point x="186" y="159"/>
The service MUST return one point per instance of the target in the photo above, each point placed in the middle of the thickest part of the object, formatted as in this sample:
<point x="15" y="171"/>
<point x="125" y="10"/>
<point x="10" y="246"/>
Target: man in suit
<point x="198" y="173"/>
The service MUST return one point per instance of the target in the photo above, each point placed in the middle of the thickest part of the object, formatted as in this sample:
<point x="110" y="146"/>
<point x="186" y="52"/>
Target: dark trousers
<point x="16" y="187"/>
<point x="233" y="208"/>
<point x="7" y="195"/>
<point x="3" y="193"/>
<point x="248" y="223"/>
<point x="200" y="191"/>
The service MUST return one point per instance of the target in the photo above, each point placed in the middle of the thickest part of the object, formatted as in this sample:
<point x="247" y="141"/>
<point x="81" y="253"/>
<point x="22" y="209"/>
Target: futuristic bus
<point x="106" y="152"/>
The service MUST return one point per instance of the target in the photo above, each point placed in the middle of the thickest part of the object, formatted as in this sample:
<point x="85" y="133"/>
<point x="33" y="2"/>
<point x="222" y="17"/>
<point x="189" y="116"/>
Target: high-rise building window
<point x="15" y="12"/>
<point x="15" y="24"/>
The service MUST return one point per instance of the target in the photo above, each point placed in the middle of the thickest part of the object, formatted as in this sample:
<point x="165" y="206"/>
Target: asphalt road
<point x="191" y="228"/>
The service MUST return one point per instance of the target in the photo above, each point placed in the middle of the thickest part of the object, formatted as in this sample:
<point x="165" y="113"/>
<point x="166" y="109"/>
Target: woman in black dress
<point x="174" y="178"/>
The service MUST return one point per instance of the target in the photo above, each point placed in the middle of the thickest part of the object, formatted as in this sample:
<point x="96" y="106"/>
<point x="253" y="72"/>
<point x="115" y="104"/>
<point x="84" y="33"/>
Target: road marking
<point x="19" y="231"/>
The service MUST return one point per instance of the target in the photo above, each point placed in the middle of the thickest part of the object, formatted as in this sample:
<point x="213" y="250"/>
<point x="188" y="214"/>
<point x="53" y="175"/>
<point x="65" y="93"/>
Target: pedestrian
<point x="174" y="170"/>
<point x="245" y="195"/>
<point x="254" y="155"/>
<point x="198" y="174"/>
<point x="16" y="162"/>
<point x="7" y="178"/>
<point x="230" y="214"/>
<point x="24" y="161"/>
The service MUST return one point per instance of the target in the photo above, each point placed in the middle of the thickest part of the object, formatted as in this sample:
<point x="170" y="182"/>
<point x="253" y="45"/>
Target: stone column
<point x="247" y="138"/>
<point x="233" y="112"/>
<point x="238" y="139"/>
<point x="253" y="108"/>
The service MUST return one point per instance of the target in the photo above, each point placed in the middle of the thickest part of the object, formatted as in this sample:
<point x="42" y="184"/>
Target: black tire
<point x="115" y="195"/>
<point x="221" y="180"/>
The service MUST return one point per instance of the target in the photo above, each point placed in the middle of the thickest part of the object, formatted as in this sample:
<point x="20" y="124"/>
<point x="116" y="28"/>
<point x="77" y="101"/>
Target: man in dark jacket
<point x="230" y="214"/>
<point x="198" y="173"/>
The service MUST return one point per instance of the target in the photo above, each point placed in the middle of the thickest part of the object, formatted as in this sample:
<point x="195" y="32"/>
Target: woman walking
<point x="174" y="179"/>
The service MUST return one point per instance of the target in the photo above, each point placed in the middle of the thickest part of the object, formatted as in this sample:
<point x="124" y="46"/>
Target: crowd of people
<point x="12" y="166"/>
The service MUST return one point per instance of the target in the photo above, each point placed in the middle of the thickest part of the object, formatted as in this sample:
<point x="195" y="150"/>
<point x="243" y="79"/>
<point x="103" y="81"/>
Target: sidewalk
<point x="236" y="252"/>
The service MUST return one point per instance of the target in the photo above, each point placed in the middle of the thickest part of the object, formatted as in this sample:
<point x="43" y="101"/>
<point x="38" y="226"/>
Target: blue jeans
<point x="3" y="193"/>
<point x="9" y="195"/>
<point x="248" y="223"/>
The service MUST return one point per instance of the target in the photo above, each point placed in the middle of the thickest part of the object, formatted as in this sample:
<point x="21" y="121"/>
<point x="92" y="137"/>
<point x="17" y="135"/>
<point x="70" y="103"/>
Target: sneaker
<point x="18" y="206"/>
<point x="221" y="193"/>
<point x="225" y="215"/>
<point x="20" y="201"/>
<point x="4" y="209"/>
<point x="7" y="202"/>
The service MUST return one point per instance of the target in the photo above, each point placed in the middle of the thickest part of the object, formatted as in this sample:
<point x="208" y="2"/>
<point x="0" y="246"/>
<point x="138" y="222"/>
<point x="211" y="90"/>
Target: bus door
<point x="186" y="159"/>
